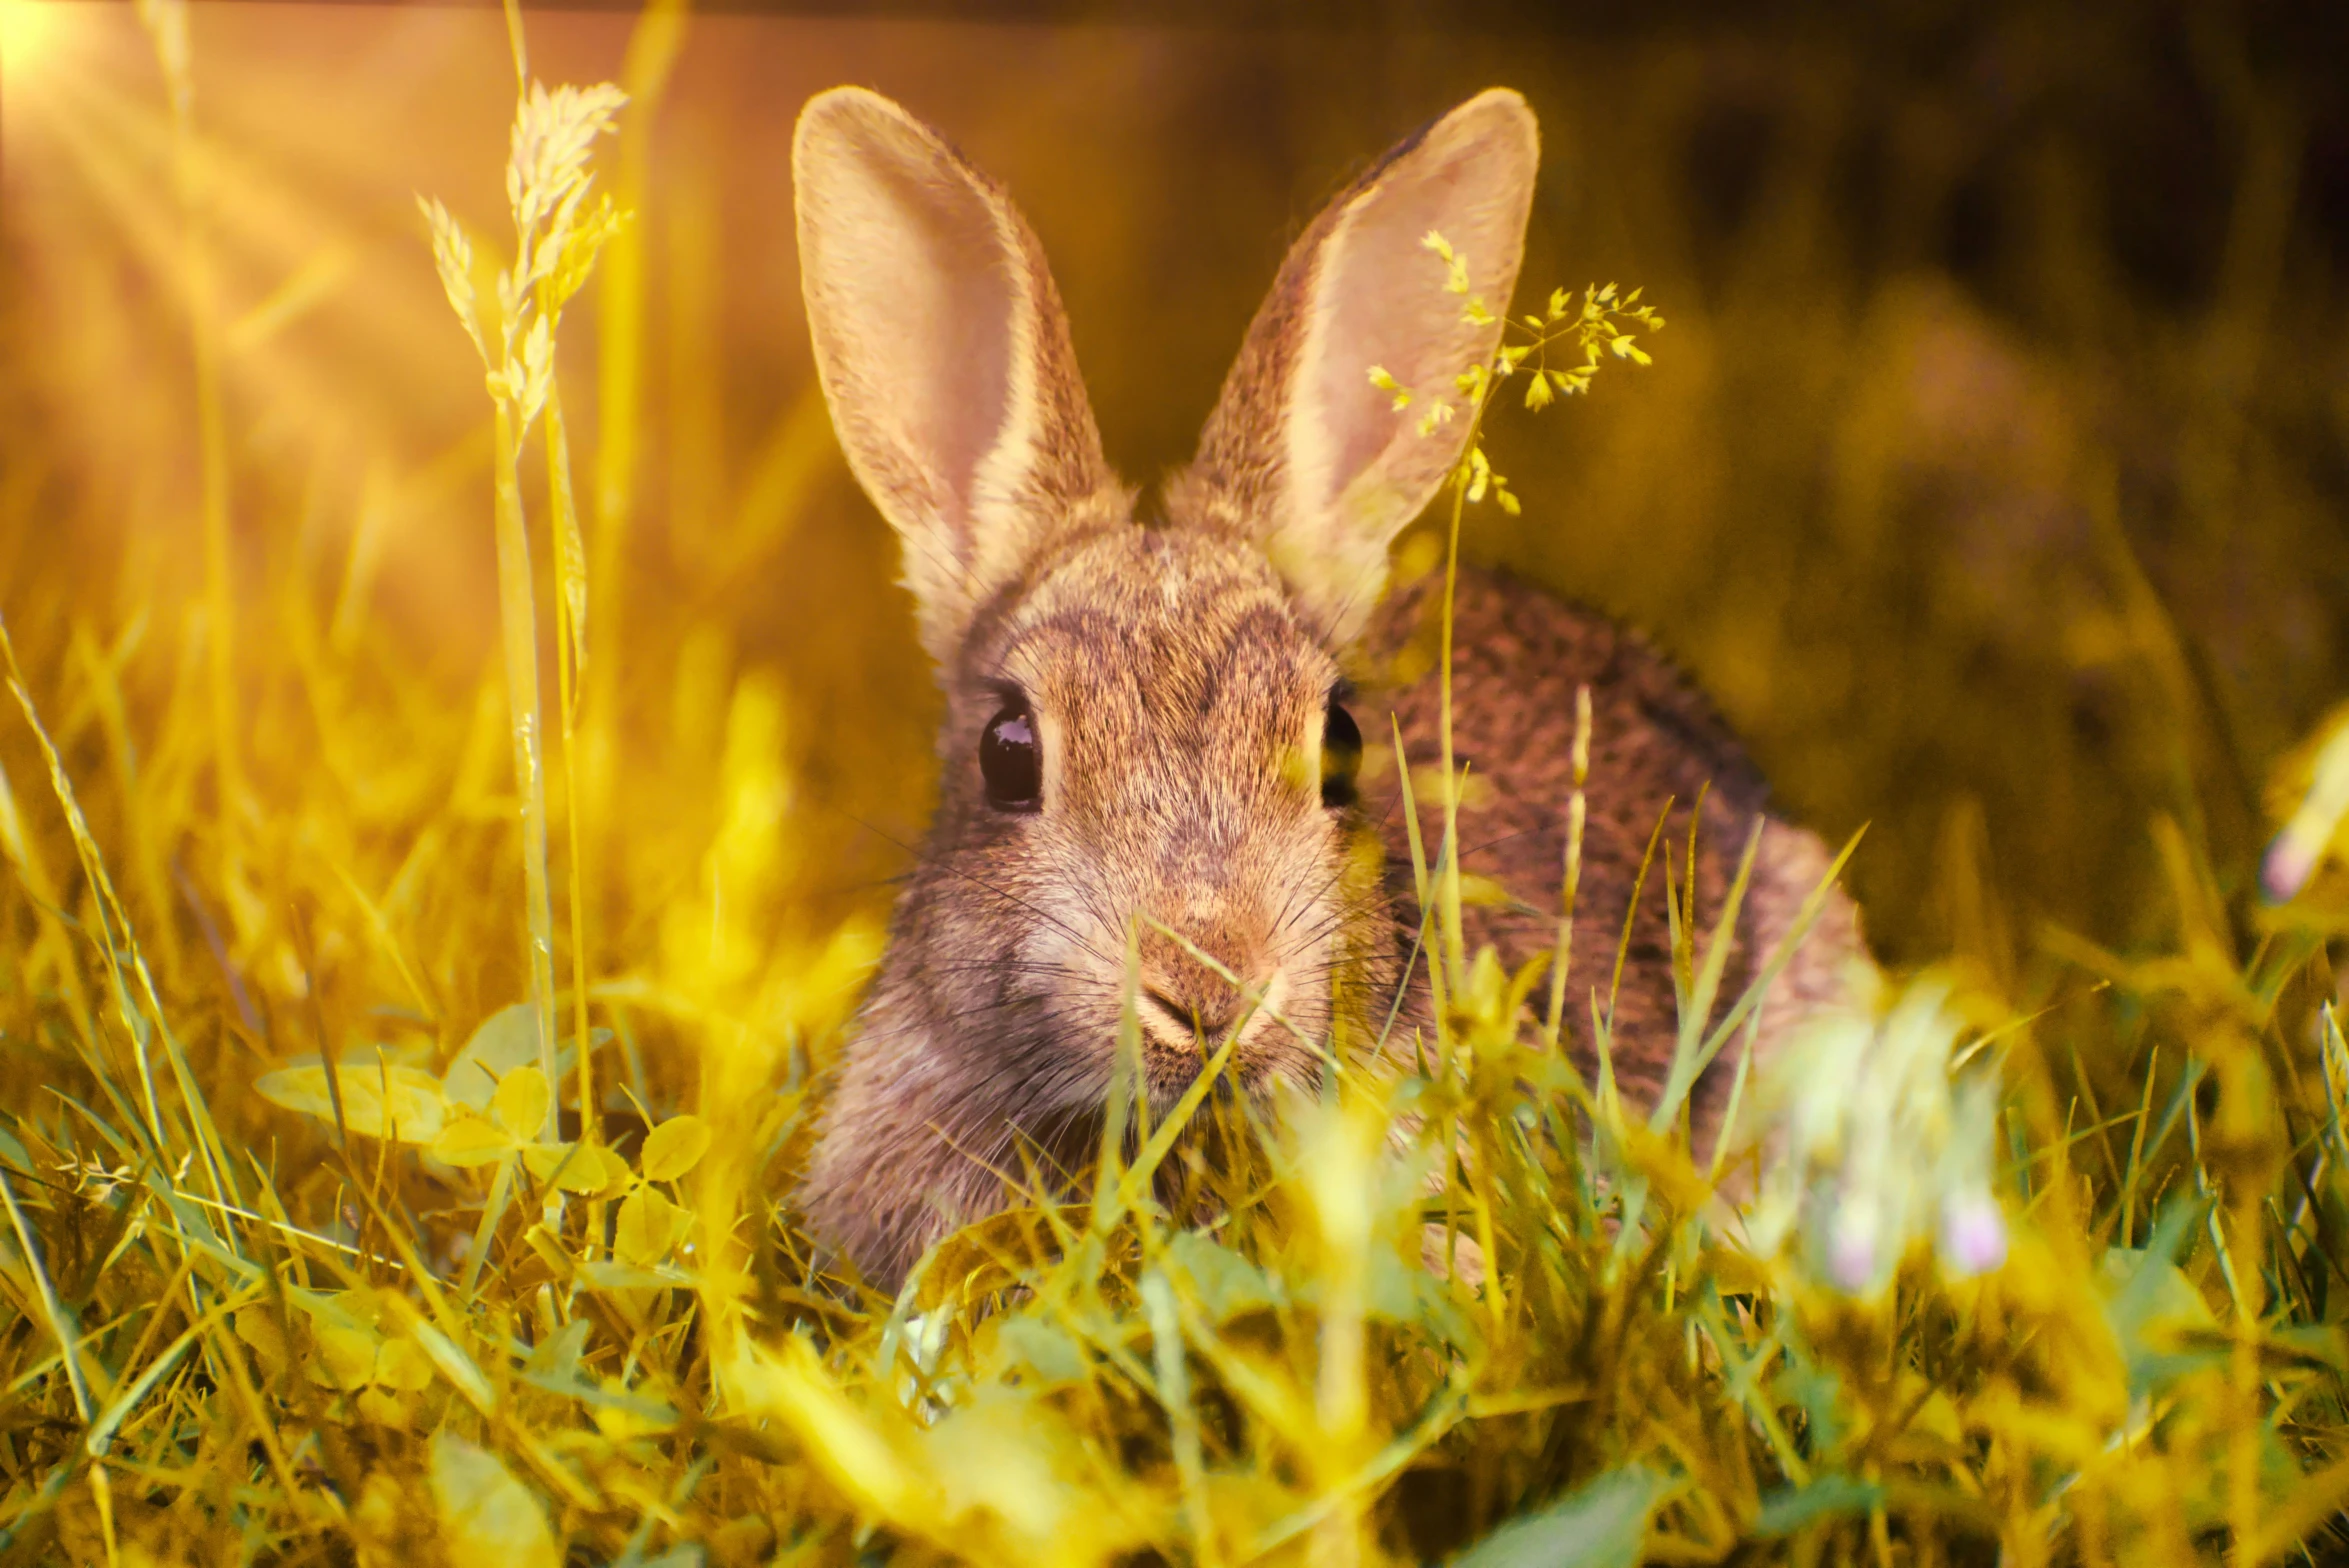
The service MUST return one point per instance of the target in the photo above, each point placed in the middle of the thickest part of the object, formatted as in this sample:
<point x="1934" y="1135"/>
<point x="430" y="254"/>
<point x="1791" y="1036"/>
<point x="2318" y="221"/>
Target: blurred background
<point x="1991" y="473"/>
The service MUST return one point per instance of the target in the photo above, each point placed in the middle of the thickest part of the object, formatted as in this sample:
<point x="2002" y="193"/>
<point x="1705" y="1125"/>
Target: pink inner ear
<point x="926" y="299"/>
<point x="1383" y="302"/>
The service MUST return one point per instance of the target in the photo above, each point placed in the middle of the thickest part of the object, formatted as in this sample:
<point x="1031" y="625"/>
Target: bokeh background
<point x="1992" y="472"/>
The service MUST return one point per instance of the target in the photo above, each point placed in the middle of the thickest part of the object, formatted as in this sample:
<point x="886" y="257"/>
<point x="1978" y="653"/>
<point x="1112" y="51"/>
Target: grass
<point x="310" y="1254"/>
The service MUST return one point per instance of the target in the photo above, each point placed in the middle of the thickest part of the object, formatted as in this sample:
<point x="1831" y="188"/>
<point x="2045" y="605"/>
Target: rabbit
<point x="1155" y="725"/>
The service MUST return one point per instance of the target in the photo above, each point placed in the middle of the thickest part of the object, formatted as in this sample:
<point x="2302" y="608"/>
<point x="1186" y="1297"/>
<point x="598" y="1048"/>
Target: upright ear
<point x="1303" y="454"/>
<point x="944" y="353"/>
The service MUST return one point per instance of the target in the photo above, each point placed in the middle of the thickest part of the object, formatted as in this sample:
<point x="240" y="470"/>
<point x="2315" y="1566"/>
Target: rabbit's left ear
<point x="944" y="353"/>
<point x="1304" y="454"/>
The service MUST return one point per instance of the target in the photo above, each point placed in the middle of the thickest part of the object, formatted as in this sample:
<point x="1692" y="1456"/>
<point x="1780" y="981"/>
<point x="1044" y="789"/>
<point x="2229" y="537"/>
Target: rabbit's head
<point x="1146" y="737"/>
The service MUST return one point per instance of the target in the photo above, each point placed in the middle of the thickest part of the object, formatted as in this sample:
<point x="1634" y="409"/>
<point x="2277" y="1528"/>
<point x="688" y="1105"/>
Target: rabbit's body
<point x="1656" y="749"/>
<point x="1149" y="762"/>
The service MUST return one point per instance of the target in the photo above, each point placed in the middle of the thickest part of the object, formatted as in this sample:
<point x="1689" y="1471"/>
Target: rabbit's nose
<point x="1207" y="1014"/>
<point x="1197" y="980"/>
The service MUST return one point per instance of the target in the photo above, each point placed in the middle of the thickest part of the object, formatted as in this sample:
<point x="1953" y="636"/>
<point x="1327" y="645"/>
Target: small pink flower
<point x="1973" y="1233"/>
<point x="1851" y="1249"/>
<point x="2289" y="861"/>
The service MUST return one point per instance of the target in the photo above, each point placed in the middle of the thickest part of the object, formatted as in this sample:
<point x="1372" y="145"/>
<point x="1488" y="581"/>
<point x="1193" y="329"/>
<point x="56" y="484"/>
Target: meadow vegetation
<point x="405" y="1081"/>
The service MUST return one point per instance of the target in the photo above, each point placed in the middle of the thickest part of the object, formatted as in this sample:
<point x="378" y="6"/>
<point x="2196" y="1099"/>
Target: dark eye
<point x="1011" y="761"/>
<point x="1341" y="754"/>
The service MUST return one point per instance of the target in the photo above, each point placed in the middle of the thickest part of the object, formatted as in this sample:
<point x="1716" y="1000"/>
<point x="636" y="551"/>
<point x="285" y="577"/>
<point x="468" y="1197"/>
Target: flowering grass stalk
<point x="557" y="238"/>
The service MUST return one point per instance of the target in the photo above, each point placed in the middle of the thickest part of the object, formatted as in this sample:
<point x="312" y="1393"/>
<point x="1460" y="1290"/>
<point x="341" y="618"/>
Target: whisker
<point x="927" y="861"/>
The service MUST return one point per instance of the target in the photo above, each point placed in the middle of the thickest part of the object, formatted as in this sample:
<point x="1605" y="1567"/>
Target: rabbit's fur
<point x="1177" y="676"/>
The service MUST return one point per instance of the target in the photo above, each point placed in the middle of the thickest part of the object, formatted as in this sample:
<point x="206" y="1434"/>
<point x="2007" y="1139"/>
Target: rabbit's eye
<point x="1011" y="761"/>
<point x="1341" y="754"/>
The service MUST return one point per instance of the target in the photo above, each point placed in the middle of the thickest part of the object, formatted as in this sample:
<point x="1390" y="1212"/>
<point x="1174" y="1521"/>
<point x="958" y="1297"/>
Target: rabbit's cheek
<point x="1067" y="964"/>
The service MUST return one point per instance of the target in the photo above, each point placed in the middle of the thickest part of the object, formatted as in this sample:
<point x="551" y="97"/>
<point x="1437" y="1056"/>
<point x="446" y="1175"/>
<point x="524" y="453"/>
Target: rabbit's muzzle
<point x="1198" y="987"/>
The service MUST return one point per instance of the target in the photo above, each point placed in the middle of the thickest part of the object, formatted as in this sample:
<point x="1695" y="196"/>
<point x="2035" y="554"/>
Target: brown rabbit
<point x="1148" y="720"/>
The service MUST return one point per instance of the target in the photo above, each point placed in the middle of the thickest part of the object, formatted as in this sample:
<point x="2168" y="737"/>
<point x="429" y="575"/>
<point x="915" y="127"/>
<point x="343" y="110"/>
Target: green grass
<point x="287" y="1276"/>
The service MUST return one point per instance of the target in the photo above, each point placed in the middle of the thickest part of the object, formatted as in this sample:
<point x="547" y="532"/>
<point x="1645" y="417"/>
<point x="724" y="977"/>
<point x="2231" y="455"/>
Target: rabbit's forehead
<point x="1172" y="621"/>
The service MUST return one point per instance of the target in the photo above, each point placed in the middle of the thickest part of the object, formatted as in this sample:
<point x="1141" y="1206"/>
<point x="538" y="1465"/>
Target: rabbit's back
<point x="1657" y="748"/>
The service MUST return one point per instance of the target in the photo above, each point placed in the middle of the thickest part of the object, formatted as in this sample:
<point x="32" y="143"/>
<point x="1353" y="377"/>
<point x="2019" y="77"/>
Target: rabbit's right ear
<point x="944" y="354"/>
<point x="1304" y="455"/>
